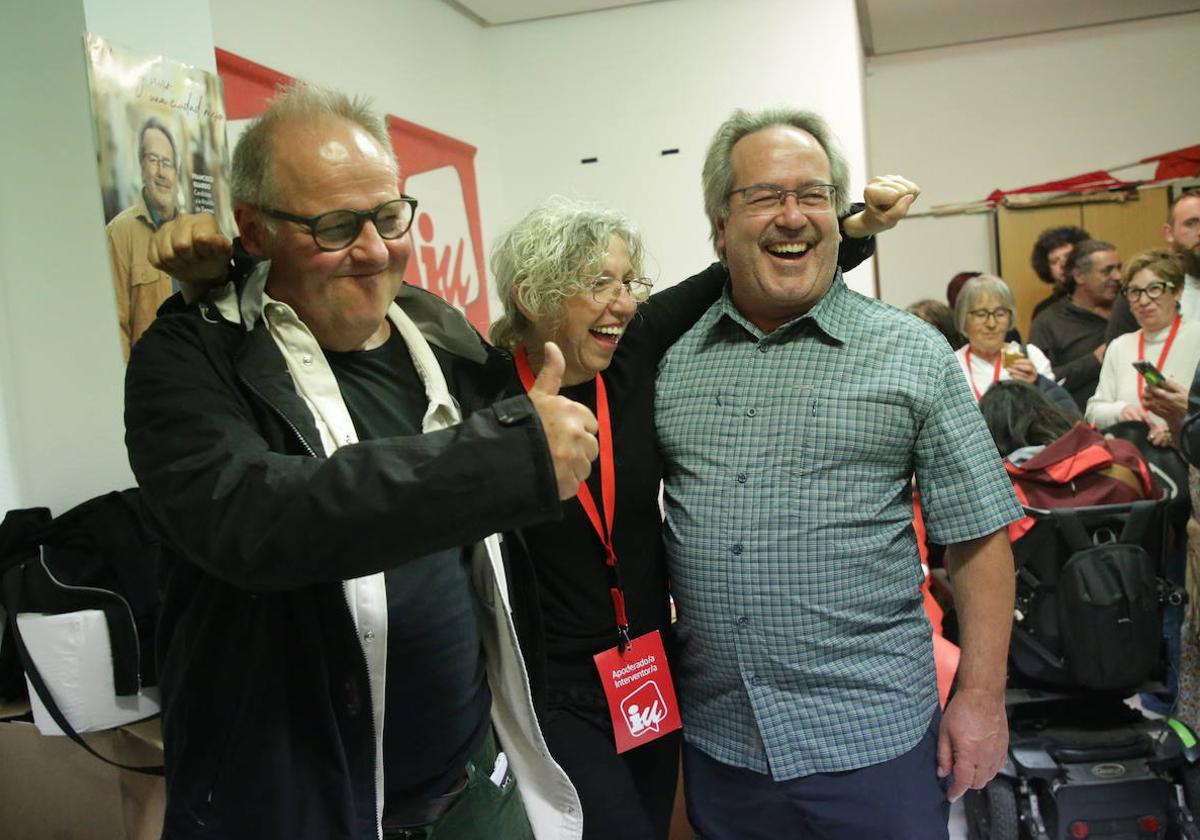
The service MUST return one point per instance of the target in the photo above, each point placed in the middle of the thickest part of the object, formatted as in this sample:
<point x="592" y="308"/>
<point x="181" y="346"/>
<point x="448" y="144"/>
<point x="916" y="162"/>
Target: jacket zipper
<point x="279" y="412"/>
<point x="346" y="599"/>
<point x="370" y="711"/>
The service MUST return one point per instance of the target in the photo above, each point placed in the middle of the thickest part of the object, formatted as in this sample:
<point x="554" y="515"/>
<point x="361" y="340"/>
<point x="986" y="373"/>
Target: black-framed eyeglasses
<point x="1152" y="292"/>
<point x="1001" y="314"/>
<point x="764" y="199"/>
<point x="607" y="290"/>
<point x="337" y="229"/>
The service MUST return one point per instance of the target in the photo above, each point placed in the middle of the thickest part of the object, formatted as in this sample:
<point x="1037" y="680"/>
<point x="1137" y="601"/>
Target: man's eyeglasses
<point x="607" y="290"/>
<point x="767" y="199"/>
<point x="337" y="229"/>
<point x="1001" y="315"/>
<point x="164" y="164"/>
<point x="1152" y="292"/>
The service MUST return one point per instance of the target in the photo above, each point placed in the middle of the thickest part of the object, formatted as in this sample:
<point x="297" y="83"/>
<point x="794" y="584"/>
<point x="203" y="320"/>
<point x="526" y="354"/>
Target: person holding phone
<point x="1163" y="353"/>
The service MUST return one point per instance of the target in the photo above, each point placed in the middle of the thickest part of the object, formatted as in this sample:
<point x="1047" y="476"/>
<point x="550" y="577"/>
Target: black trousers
<point x="628" y="795"/>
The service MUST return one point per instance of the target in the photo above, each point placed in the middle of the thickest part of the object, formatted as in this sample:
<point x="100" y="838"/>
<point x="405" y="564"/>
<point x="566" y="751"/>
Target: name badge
<point x="641" y="695"/>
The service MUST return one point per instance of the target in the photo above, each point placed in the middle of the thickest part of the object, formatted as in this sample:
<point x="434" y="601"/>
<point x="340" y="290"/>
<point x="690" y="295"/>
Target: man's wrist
<point x="855" y="226"/>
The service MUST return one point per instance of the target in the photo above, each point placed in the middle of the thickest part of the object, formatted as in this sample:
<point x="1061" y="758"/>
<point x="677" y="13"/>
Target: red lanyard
<point x="971" y="373"/>
<point x="1162" y="357"/>
<point x="608" y="493"/>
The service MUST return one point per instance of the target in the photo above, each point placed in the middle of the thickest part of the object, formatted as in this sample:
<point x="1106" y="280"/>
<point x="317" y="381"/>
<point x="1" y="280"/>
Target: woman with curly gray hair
<point x="572" y="273"/>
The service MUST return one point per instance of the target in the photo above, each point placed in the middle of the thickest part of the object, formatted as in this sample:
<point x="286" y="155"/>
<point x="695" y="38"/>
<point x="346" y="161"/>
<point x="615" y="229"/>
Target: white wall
<point x="962" y="121"/>
<point x="624" y="84"/>
<point x="61" y="376"/>
<point x="419" y="60"/>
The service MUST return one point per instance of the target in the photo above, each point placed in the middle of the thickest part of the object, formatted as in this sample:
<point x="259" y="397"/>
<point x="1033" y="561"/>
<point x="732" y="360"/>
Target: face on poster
<point x="161" y="150"/>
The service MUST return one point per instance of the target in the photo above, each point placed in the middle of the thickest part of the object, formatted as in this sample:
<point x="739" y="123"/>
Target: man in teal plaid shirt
<point x="793" y="418"/>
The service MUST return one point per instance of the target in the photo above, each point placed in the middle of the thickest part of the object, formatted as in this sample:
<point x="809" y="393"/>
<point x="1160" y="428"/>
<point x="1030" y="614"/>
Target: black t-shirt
<point x="569" y="559"/>
<point x="437" y="699"/>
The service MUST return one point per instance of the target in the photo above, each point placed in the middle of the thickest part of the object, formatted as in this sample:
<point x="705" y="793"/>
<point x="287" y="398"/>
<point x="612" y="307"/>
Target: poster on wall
<point x="160" y="148"/>
<point x="437" y="170"/>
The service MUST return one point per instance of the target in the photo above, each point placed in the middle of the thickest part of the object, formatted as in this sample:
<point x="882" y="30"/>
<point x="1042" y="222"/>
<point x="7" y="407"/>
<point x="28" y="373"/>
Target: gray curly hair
<point x="718" y="175"/>
<point x="252" y="179"/>
<point x="553" y="253"/>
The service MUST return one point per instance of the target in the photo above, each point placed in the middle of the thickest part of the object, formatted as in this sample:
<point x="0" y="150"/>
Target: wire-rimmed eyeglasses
<point x="768" y="199"/>
<point x="607" y="290"/>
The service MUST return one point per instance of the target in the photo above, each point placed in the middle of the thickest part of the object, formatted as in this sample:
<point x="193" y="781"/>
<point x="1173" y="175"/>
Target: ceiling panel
<point x="891" y="26"/>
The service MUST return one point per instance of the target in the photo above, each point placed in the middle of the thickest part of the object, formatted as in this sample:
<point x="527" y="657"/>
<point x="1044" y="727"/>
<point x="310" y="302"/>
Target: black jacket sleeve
<point x="232" y="485"/>
<point x="853" y="251"/>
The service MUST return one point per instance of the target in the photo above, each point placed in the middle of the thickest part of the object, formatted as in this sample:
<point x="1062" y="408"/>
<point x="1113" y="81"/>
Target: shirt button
<point x="306" y="359"/>
<point x="762" y="348"/>
<point x="750" y="412"/>
<point x="742" y="621"/>
<point x="742" y="476"/>
<point x="736" y="548"/>
<point x="369" y="636"/>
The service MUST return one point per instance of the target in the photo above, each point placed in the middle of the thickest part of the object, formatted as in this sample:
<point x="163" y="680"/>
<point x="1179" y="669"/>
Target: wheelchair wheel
<point x="992" y="812"/>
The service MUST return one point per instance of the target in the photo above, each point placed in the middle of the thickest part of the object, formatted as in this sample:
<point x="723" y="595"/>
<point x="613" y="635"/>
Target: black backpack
<point x="1090" y="597"/>
<point x="96" y="556"/>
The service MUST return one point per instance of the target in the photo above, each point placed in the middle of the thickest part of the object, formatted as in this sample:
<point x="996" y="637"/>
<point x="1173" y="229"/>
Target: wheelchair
<point x="1086" y="635"/>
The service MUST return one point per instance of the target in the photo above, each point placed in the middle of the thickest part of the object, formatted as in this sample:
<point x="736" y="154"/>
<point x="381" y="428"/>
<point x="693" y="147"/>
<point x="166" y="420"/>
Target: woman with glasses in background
<point x="1153" y="285"/>
<point x="984" y="312"/>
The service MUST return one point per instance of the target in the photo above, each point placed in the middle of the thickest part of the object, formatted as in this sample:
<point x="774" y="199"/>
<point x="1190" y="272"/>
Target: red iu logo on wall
<point x="437" y="170"/>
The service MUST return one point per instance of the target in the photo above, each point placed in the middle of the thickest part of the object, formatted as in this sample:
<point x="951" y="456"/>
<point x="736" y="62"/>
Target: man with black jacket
<point x="1071" y="330"/>
<point x="315" y="448"/>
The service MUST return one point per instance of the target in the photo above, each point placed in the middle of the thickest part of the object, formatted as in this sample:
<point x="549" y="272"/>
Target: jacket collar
<point x="276" y="334"/>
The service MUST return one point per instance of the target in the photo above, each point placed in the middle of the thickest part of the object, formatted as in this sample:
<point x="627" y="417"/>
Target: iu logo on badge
<point x="644" y="709"/>
<point x="641" y="697"/>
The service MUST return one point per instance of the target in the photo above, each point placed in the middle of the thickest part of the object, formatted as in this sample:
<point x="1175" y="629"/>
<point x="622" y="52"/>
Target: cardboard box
<point x="52" y="789"/>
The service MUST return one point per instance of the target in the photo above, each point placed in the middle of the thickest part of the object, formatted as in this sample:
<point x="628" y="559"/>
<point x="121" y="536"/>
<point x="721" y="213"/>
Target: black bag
<point x="1089" y="597"/>
<point x="96" y="556"/>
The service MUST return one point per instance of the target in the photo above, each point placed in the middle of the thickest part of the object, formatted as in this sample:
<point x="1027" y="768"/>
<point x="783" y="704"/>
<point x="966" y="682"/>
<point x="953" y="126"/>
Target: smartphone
<point x="1151" y="374"/>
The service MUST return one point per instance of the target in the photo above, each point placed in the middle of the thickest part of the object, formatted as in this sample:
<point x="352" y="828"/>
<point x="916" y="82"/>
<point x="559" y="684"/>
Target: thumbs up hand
<point x="570" y="428"/>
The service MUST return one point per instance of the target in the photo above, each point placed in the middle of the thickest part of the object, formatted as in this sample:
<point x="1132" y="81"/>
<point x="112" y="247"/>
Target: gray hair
<point x="157" y="125"/>
<point x="977" y="288"/>
<point x="253" y="175"/>
<point x="718" y="175"/>
<point x="555" y="252"/>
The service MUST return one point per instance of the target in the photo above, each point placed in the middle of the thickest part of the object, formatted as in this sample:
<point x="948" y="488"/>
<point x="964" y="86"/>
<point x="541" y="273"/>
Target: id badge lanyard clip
<point x="608" y="493"/>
